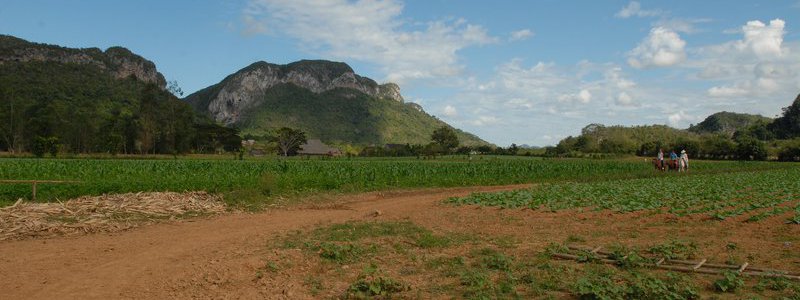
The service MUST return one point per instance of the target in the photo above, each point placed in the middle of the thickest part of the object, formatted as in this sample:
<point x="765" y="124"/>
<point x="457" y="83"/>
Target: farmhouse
<point x="317" y="147"/>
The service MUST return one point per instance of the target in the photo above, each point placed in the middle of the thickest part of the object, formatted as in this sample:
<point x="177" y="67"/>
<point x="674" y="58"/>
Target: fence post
<point x="34" y="191"/>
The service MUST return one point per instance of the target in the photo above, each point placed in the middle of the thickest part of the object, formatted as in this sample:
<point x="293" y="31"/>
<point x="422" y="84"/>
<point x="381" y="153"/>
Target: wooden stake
<point x="700" y="264"/>
<point x="744" y="265"/>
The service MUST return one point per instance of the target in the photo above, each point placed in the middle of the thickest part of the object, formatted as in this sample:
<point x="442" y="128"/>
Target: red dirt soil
<point x="208" y="258"/>
<point x="218" y="257"/>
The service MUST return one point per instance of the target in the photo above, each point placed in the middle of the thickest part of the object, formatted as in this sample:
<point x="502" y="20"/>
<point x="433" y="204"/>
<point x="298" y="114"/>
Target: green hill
<point x="728" y="123"/>
<point x="325" y="99"/>
<point x="87" y="101"/>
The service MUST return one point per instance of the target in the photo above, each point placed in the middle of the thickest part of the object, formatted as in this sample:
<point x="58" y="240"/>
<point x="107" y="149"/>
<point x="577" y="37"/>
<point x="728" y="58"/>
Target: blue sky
<point x="525" y="72"/>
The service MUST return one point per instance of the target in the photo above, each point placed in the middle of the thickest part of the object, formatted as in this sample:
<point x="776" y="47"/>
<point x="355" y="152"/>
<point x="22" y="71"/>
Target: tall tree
<point x="289" y="140"/>
<point x="788" y="125"/>
<point x="446" y="137"/>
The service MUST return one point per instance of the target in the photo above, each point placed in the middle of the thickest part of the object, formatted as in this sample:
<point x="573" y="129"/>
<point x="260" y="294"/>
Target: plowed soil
<point x="217" y="257"/>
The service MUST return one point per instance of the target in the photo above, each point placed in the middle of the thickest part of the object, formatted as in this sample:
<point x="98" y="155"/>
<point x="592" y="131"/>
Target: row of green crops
<point x="278" y="177"/>
<point x="759" y="194"/>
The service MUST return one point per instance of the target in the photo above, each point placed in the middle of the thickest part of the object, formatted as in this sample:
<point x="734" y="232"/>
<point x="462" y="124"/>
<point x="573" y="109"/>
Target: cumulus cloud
<point x="520" y="35"/>
<point x="371" y="31"/>
<point x="661" y="48"/>
<point x="584" y="96"/>
<point x="757" y="65"/>
<point x="634" y="9"/>
<point x="764" y="40"/>
<point x="624" y="99"/>
<point x="544" y="98"/>
<point x="450" y="111"/>
<point x="681" y="118"/>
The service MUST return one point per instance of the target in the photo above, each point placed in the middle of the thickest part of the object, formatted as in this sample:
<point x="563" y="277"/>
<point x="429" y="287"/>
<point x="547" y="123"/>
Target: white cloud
<point x="584" y="96"/>
<point x="764" y="40"/>
<point x="450" y="111"/>
<point x="371" y="31"/>
<point x="485" y="120"/>
<point x="756" y="66"/>
<point x="729" y="91"/>
<point x="253" y="26"/>
<point x="680" y="118"/>
<point x="681" y="25"/>
<point x="614" y="76"/>
<point x="661" y="48"/>
<point x="624" y="99"/>
<point x="520" y="35"/>
<point x="634" y="9"/>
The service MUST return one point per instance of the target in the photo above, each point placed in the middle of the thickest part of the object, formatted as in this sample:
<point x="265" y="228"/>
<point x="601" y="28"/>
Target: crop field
<point x="483" y="242"/>
<point x="303" y="176"/>
<point x="720" y="195"/>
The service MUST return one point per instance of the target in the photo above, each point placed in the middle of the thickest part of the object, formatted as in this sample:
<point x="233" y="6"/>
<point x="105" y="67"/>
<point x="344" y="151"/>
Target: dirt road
<point x="201" y="258"/>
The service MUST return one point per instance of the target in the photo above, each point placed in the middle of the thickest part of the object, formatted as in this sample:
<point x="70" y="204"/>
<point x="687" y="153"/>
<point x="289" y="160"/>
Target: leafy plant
<point x="371" y="284"/>
<point x="626" y="258"/>
<point x="340" y="253"/>
<point x="675" y="250"/>
<point x="730" y="281"/>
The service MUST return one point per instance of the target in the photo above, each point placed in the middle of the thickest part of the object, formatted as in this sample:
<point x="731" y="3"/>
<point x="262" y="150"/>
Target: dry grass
<point x="107" y="213"/>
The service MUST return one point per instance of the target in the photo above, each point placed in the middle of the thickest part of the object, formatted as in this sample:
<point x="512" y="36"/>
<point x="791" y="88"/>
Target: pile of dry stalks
<point x="107" y="213"/>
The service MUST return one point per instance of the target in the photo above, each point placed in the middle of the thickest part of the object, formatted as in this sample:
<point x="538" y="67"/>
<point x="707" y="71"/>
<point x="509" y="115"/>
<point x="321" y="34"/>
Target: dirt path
<point x="214" y="257"/>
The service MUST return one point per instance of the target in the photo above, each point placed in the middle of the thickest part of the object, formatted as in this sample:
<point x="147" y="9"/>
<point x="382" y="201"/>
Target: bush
<point x="729" y="282"/>
<point x="751" y="149"/>
<point x="604" y="284"/>
<point x="370" y="285"/>
<point x="675" y="250"/>
<point x="790" y="151"/>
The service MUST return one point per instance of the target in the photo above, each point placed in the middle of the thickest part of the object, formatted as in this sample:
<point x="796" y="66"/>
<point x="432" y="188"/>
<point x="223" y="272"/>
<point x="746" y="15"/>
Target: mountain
<point x="325" y="99"/>
<point x="54" y="98"/>
<point x="116" y="61"/>
<point x="728" y="123"/>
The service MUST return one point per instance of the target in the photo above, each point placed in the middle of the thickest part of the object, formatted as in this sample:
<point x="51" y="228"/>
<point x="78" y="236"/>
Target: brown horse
<point x="671" y="165"/>
<point x="657" y="164"/>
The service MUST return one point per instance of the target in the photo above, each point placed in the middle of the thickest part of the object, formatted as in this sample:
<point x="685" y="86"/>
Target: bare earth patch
<point x="245" y="256"/>
<point x="107" y="213"/>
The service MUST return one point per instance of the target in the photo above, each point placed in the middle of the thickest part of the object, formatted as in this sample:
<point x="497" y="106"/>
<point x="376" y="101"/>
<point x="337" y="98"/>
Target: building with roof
<point x="317" y="147"/>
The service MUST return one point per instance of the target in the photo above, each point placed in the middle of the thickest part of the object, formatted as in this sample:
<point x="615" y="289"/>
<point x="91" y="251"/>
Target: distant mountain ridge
<point x="118" y="61"/>
<point x="224" y="103"/>
<point x="727" y="123"/>
<point x="88" y="101"/>
<point x="326" y="99"/>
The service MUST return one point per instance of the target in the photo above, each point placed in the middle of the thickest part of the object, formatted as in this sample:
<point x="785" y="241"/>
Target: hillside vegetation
<point x="728" y="123"/>
<point x="720" y="136"/>
<point x="343" y="116"/>
<point x="55" y="99"/>
<point x="325" y="99"/>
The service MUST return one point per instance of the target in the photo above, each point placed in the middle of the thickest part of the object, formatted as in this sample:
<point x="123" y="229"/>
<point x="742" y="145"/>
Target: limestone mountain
<point x="117" y="61"/>
<point x="728" y="123"/>
<point x="54" y="98"/>
<point x="327" y="100"/>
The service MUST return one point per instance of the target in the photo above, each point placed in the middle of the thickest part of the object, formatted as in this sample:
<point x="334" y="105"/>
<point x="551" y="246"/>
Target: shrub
<point x="370" y="285"/>
<point x="729" y="282"/>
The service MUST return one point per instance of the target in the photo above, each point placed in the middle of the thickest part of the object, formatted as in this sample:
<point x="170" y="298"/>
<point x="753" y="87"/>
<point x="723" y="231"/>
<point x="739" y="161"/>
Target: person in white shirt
<point x="683" y="162"/>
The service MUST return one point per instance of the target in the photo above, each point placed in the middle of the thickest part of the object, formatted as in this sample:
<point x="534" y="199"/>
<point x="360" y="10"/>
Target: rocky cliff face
<point x="118" y="61"/>
<point x="226" y="101"/>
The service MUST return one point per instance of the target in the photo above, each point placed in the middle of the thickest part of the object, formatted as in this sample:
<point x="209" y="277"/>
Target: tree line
<point x="778" y="139"/>
<point x="50" y="107"/>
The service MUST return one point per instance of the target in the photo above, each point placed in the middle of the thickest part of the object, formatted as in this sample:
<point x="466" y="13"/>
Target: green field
<point x="720" y="195"/>
<point x="279" y="177"/>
